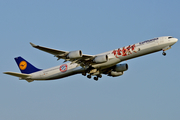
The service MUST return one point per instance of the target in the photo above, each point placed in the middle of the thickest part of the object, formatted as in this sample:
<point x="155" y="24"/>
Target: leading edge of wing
<point x="49" y="50"/>
<point x="58" y="53"/>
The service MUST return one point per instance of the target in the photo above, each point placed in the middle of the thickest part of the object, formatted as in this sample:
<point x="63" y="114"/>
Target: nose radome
<point x="175" y="40"/>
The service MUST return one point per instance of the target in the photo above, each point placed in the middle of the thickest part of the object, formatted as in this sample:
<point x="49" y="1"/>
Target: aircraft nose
<point x="175" y="40"/>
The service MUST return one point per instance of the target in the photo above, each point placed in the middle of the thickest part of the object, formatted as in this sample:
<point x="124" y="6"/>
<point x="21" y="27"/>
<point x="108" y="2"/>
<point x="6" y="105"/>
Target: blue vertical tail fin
<point x="25" y="66"/>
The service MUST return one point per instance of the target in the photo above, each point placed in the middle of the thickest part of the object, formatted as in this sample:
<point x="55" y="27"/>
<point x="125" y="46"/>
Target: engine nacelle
<point x="121" y="67"/>
<point x="101" y="59"/>
<point x="74" y="54"/>
<point x="115" y="74"/>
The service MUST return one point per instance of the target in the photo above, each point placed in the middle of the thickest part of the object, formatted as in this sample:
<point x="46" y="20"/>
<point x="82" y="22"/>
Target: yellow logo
<point x="23" y="65"/>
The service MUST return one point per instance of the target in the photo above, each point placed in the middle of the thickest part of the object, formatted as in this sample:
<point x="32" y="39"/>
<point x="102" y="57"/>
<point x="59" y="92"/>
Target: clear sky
<point x="149" y="90"/>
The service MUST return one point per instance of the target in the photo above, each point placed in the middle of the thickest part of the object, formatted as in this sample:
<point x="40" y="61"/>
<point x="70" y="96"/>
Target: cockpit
<point x="170" y="37"/>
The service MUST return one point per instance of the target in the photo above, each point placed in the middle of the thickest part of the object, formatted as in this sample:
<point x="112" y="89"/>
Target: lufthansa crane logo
<point x="23" y="65"/>
<point x="63" y="68"/>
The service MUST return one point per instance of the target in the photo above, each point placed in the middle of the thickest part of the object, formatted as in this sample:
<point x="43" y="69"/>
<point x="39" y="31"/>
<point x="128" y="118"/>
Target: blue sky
<point x="148" y="90"/>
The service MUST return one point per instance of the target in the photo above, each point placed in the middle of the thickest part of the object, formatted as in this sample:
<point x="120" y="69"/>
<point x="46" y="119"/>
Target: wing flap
<point x="21" y="75"/>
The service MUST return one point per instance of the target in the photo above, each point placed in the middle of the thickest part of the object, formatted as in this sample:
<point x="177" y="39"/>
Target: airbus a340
<point x="91" y="65"/>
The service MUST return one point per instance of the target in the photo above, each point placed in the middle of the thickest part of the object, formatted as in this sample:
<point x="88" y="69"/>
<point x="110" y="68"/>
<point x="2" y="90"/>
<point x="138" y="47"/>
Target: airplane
<point x="91" y="65"/>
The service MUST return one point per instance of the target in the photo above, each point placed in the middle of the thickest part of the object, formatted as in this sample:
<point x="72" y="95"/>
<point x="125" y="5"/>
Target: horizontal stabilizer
<point x="21" y="75"/>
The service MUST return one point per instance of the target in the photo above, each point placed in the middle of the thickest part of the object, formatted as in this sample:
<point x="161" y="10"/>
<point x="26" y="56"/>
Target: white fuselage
<point x="115" y="56"/>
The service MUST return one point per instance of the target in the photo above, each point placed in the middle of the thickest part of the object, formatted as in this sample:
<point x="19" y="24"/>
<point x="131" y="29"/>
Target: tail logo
<point x="23" y="65"/>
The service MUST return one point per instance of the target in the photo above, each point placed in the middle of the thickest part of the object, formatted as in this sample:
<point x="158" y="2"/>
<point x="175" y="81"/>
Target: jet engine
<point x="101" y="59"/>
<point x="74" y="54"/>
<point x="115" y="74"/>
<point x="118" y="70"/>
<point x="121" y="67"/>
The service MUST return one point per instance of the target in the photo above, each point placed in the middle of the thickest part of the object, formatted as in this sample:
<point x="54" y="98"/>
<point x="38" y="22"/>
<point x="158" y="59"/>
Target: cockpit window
<point x="170" y="37"/>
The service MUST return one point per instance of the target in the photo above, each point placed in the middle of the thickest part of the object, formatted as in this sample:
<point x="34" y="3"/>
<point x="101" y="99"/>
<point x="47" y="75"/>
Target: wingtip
<point x="33" y="45"/>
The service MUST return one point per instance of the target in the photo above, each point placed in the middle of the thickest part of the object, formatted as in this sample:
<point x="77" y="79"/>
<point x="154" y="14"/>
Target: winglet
<point x="33" y="45"/>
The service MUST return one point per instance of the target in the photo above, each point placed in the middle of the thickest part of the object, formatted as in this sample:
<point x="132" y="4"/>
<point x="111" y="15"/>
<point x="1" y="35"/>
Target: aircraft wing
<point x="50" y="50"/>
<point x="21" y="75"/>
<point x="85" y="59"/>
